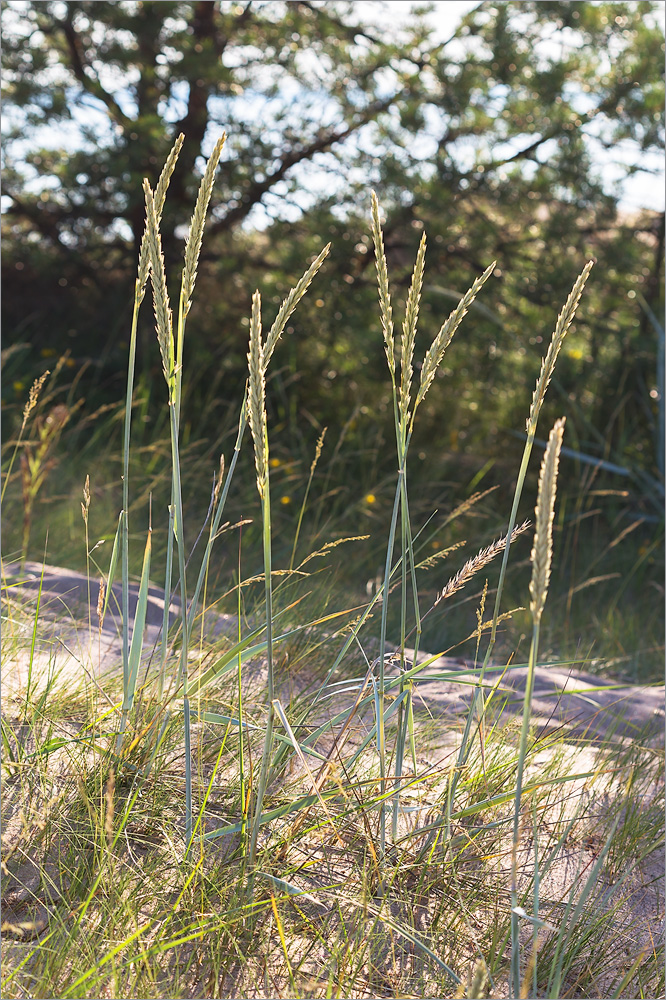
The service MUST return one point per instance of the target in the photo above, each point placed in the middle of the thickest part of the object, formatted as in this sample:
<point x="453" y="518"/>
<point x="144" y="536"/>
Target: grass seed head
<point x="100" y="604"/>
<point x="163" y="322"/>
<point x="435" y="354"/>
<point x="542" y="551"/>
<point x="477" y="562"/>
<point x="33" y="395"/>
<point x="409" y="330"/>
<point x="383" y="283"/>
<point x="218" y="483"/>
<point x="564" y="321"/>
<point x="160" y="196"/>
<point x="257" y="369"/>
<point x="85" y="506"/>
<point x="318" y="450"/>
<point x="195" y="235"/>
<point x="290" y="303"/>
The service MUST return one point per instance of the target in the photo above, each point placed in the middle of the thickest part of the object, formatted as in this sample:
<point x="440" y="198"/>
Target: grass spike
<point x="160" y="196"/>
<point x="290" y="303"/>
<point x="163" y="317"/>
<point x="476" y="563"/>
<point x="564" y="321"/>
<point x="542" y="550"/>
<point x="195" y="235"/>
<point x="435" y="353"/>
<point x="383" y="282"/>
<point x="409" y="330"/>
<point x="257" y="407"/>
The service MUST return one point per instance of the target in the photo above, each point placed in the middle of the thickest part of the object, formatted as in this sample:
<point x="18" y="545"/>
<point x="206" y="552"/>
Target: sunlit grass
<point x="272" y="811"/>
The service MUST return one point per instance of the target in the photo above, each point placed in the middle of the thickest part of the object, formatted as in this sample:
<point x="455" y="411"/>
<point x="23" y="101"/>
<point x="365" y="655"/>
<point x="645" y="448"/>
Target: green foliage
<point x="495" y="136"/>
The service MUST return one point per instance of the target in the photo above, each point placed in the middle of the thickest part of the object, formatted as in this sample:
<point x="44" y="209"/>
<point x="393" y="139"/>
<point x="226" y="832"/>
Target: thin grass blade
<point x="139" y="625"/>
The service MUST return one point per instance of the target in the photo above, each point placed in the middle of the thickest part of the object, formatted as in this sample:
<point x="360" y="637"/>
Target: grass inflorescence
<point x="259" y="805"/>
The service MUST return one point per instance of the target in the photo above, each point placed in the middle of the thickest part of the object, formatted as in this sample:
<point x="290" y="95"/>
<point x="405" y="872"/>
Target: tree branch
<point x="325" y="141"/>
<point x="90" y="84"/>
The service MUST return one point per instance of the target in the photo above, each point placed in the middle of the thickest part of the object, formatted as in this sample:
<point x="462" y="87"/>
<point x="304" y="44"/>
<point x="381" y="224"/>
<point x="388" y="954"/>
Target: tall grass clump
<point x="541" y="558"/>
<point x="404" y="413"/>
<point x="324" y="847"/>
<point x="170" y="342"/>
<point x="259" y="428"/>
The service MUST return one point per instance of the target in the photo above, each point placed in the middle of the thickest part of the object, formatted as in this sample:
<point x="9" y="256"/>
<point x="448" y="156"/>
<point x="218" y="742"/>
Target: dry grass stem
<point x="258" y="394"/>
<point x="218" y="483"/>
<point x="160" y="195"/>
<point x="564" y="321"/>
<point x="468" y="503"/>
<point x="318" y="449"/>
<point x="382" y="280"/>
<point x="195" y="235"/>
<point x="100" y="604"/>
<point x="109" y="803"/>
<point x="409" y="330"/>
<point x="33" y="396"/>
<point x="441" y="554"/>
<point x="477" y="562"/>
<point x="542" y="552"/>
<point x="158" y="277"/>
<point x="85" y="505"/>
<point x="434" y="356"/>
<point x="290" y="303"/>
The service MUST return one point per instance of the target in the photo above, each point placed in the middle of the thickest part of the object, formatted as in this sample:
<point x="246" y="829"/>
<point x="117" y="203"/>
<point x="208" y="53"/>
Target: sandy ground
<point x="70" y="640"/>
<point x="581" y="707"/>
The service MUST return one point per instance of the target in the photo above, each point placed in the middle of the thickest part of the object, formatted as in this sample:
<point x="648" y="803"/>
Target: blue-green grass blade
<point x="33" y="639"/>
<point x="113" y="564"/>
<point x="229" y="720"/>
<point x="139" y="625"/>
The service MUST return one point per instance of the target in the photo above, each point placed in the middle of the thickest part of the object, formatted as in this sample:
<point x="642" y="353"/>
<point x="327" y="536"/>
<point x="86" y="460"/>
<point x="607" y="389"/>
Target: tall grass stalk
<point x="562" y="326"/>
<point x="284" y="313"/>
<point x="174" y="381"/>
<point x="241" y="738"/>
<point x="564" y="321"/>
<point x="404" y="424"/>
<point x="152" y="261"/>
<point x="258" y="426"/>
<point x="542" y="555"/>
<point x="165" y="338"/>
<point x="139" y="292"/>
<point x="31" y="403"/>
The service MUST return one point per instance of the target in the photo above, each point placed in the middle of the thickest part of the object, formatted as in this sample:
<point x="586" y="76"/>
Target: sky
<point x="642" y="190"/>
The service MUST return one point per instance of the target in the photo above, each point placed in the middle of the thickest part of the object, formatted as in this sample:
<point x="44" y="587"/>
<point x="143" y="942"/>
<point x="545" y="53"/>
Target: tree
<point x="494" y="137"/>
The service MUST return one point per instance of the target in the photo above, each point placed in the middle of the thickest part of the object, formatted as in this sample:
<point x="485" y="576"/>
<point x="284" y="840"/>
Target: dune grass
<point x="269" y="811"/>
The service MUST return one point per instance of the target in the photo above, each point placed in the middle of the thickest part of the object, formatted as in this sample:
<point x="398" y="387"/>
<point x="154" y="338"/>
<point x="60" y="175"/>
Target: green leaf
<point x="139" y="625"/>
<point x="115" y="551"/>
